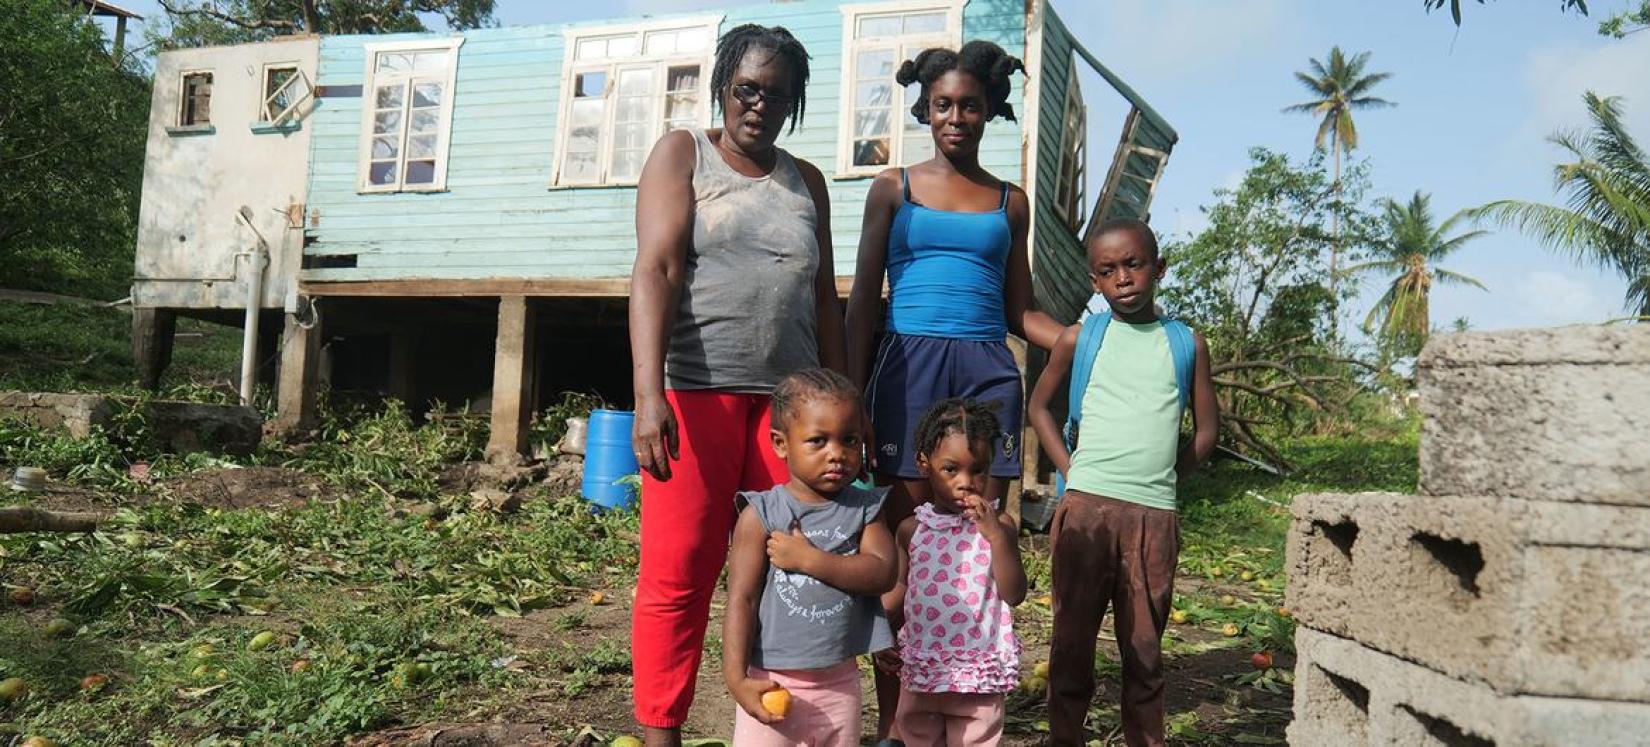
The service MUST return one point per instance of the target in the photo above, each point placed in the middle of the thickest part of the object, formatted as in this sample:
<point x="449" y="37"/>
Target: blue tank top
<point x="946" y="270"/>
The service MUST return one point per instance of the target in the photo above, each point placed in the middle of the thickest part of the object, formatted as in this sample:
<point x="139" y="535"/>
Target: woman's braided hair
<point x="806" y="385"/>
<point x="970" y="418"/>
<point x="987" y="62"/>
<point x="731" y="50"/>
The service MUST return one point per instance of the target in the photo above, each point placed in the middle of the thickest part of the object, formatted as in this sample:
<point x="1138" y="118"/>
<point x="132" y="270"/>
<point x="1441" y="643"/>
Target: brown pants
<point x="1110" y="552"/>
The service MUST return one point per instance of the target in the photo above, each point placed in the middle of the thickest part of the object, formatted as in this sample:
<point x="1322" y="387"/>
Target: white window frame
<point x="613" y="66"/>
<point x="372" y="79"/>
<point x="1072" y="205"/>
<point x="905" y="48"/>
<point x="278" y="118"/>
<point x="183" y="96"/>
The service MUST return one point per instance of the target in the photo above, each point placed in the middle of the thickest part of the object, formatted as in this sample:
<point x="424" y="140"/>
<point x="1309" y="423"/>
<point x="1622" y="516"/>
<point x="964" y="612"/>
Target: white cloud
<point x="1557" y="77"/>
<point x="1549" y="299"/>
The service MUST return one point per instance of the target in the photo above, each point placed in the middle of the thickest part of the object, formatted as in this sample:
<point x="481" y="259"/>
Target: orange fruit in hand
<point x="777" y="701"/>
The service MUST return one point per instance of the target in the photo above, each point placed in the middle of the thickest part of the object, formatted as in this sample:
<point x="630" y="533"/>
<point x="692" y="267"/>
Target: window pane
<point x="631" y="109"/>
<point x="661" y="43"/>
<point x="592" y="49"/>
<point x="682" y="78"/>
<point x="381" y="172"/>
<point x="627" y="164"/>
<point x="420" y="172"/>
<point x="390" y="97"/>
<point x="630" y="136"/>
<point x="621" y="46"/>
<point x="681" y="106"/>
<point x="394" y="62"/>
<point x="692" y="40"/>
<point x="385" y="147"/>
<point x="870" y="122"/>
<point x="197" y="99"/>
<point x="875" y="26"/>
<point x="876" y="64"/>
<point x="874" y="93"/>
<point x="579" y="167"/>
<point x="275" y="81"/>
<point x="427" y="94"/>
<point x="424" y="61"/>
<point x="870" y="152"/>
<point x="925" y="23"/>
<point x="912" y="93"/>
<point x="421" y="146"/>
<point x="425" y="120"/>
<point x="389" y="121"/>
<point x="590" y="84"/>
<point x="586" y="113"/>
<point x="635" y="82"/>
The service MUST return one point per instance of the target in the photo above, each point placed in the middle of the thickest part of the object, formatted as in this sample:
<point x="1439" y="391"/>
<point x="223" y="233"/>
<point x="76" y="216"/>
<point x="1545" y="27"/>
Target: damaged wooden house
<point x="449" y="216"/>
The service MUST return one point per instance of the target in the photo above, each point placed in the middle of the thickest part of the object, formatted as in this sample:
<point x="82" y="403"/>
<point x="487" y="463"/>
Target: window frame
<point x="263" y="115"/>
<point x="612" y="67"/>
<point x="372" y="80"/>
<point x="905" y="47"/>
<point x="1072" y="206"/>
<point x="183" y="97"/>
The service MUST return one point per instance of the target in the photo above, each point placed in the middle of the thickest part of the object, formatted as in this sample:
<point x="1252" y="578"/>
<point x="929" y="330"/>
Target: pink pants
<point x="950" y="719"/>
<point x="824" y="709"/>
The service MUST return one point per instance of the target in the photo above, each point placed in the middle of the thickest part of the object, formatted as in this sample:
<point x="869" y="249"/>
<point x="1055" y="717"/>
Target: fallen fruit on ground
<point x="201" y="652"/>
<point x="22" y="596"/>
<point x="201" y="672"/>
<point x="133" y="540"/>
<point x="1035" y="685"/>
<point x="1046" y="600"/>
<point x="261" y="641"/>
<point x="597" y="598"/>
<point x="1246" y="576"/>
<point x="60" y="628"/>
<point x="13" y="688"/>
<point x="1217" y="572"/>
<point x="93" y="682"/>
<point x="1261" y="660"/>
<point x="777" y="701"/>
<point x="625" y="741"/>
<point x="300" y="666"/>
<point x="37" y="742"/>
<point x="1229" y="630"/>
<point x="1178" y="617"/>
<point x="1227" y="600"/>
<point x="1284" y="613"/>
<point x="1041" y="670"/>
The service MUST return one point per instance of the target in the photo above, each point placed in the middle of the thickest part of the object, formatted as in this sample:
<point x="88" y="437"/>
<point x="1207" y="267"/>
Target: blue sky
<point x="1474" y="107"/>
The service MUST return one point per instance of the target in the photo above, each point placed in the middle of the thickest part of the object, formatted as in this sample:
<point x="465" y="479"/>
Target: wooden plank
<point x="616" y="287"/>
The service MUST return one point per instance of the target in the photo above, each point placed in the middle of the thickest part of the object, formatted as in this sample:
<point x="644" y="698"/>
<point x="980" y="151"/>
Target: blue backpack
<point x="1182" y="347"/>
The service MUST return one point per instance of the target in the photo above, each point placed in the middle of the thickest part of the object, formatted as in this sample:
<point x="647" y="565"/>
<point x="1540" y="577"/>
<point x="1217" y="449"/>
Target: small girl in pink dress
<point x="959" y="575"/>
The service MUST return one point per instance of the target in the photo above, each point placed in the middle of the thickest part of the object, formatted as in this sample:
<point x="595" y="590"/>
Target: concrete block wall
<point x="1509" y="602"/>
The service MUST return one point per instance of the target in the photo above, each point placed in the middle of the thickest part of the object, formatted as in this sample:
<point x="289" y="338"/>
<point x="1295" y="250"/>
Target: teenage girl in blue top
<point x="951" y="238"/>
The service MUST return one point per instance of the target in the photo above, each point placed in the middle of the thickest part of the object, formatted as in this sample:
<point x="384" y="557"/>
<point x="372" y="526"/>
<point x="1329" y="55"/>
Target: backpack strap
<point x="1183" y="348"/>
<point x="1082" y="365"/>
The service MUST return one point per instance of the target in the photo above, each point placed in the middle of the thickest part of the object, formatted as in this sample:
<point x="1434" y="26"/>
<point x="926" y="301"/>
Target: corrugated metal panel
<point x="499" y="218"/>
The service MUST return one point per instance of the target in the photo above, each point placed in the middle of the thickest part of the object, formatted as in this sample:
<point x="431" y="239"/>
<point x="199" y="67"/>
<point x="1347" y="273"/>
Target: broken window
<point x="1070" y="189"/>
<point x="407" y="117"/>
<point x="197" y="100"/>
<point x="879" y="129"/>
<point x="285" y="88"/>
<point x="627" y="88"/>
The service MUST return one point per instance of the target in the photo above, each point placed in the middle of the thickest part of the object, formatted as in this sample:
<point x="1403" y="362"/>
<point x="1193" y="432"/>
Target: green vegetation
<point x="67" y="348"/>
<point x="1410" y="250"/>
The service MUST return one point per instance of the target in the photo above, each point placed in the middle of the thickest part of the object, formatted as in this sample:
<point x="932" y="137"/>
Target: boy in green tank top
<point x="1115" y="536"/>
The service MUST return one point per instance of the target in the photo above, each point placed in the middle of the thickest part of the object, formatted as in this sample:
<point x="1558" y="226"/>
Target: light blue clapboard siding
<point x="499" y="218"/>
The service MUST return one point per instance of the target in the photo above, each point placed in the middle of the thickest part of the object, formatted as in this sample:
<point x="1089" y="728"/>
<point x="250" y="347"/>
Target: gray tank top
<point x="802" y="623"/>
<point x="746" y="315"/>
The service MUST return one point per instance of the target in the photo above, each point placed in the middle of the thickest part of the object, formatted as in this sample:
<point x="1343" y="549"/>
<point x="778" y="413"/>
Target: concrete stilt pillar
<point x="299" y="388"/>
<point x="513" y="377"/>
<point x="152" y="333"/>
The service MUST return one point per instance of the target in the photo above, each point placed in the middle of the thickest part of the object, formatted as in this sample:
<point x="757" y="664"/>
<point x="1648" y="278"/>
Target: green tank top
<point x="1130" y="436"/>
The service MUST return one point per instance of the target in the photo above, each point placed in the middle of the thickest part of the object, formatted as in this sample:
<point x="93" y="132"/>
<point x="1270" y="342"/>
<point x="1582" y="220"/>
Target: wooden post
<point x="513" y="377"/>
<point x="298" y="390"/>
<point x="1028" y="436"/>
<point x="403" y="384"/>
<point x="152" y="333"/>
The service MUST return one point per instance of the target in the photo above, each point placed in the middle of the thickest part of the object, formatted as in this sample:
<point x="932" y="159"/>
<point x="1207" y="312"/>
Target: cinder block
<point x="1526" y="597"/>
<point x="75" y="413"/>
<point x="1349" y="694"/>
<point x="1550" y="414"/>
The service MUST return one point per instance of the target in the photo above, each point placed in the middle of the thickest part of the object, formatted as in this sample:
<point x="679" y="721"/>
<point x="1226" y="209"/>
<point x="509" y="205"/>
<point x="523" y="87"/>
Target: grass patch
<point x="66" y="348"/>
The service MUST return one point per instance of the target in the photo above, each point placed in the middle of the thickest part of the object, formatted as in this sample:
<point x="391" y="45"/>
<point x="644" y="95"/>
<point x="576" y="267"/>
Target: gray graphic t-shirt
<point x="802" y="622"/>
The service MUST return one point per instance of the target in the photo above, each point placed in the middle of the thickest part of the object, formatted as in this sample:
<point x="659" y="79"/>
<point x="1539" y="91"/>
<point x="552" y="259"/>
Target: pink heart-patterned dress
<point x="958" y="635"/>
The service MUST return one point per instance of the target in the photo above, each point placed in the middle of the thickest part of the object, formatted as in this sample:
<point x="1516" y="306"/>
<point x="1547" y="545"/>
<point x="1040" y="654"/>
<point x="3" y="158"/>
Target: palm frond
<point x="1459" y="279"/>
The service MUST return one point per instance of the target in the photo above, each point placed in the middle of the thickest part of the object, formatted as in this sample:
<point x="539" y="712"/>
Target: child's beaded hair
<point x="809" y="384"/>
<point x="987" y="62"/>
<point x="969" y="418"/>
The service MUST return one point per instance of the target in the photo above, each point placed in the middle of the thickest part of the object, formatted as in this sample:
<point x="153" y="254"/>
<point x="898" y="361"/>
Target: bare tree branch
<point x="212" y="12"/>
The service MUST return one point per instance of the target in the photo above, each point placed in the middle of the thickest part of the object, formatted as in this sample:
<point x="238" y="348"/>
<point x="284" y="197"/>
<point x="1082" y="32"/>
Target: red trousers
<point x="686" y="523"/>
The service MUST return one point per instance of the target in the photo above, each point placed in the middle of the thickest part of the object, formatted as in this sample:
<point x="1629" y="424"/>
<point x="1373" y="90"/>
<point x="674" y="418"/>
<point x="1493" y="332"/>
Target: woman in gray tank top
<point x="732" y="289"/>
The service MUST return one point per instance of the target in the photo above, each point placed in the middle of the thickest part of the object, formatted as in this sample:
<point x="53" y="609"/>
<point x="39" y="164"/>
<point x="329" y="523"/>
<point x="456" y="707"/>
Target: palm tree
<point x="1412" y="248"/>
<point x="1606" y="220"/>
<point x="1338" y="88"/>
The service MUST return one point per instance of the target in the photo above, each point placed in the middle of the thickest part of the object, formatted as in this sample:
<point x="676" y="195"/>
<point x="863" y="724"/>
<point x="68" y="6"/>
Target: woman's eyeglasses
<point x="749" y="96"/>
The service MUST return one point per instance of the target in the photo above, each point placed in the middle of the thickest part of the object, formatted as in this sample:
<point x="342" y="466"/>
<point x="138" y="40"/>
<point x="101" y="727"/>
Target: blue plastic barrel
<point x="608" y="459"/>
